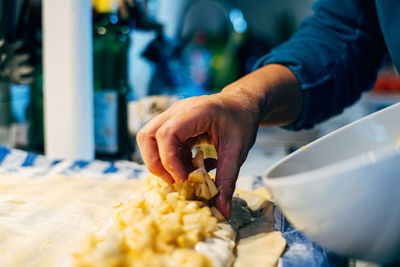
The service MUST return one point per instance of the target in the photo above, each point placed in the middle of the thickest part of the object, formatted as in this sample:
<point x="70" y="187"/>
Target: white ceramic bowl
<point x="343" y="190"/>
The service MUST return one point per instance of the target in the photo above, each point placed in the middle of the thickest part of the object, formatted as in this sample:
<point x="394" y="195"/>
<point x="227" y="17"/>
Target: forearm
<point x="229" y="119"/>
<point x="335" y="56"/>
<point x="273" y="91"/>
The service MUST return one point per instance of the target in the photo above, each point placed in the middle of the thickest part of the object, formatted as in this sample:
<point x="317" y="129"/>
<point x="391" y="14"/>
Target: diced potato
<point x="169" y="231"/>
<point x="172" y="198"/>
<point x="201" y="177"/>
<point x="193" y="227"/>
<point x="185" y="190"/>
<point x="205" y="212"/>
<point x="189" y="258"/>
<point x="211" y="185"/>
<point x="164" y="208"/>
<point x="159" y="226"/>
<point x="173" y="217"/>
<point x="197" y="176"/>
<point x="217" y="214"/>
<point x="197" y="191"/>
<point x="204" y="192"/>
<point x="191" y="218"/>
<point x="192" y="207"/>
<point x="211" y="225"/>
<point x="165" y="190"/>
<point x="153" y="198"/>
<point x="188" y="240"/>
<point x="198" y="160"/>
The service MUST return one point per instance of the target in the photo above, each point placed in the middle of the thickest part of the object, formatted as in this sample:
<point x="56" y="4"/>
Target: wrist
<point x="274" y="91"/>
<point x="246" y="100"/>
<point x="283" y="96"/>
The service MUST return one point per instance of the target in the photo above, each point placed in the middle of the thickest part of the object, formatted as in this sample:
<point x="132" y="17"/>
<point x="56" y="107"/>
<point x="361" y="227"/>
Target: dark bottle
<point x="110" y="52"/>
<point x="35" y="114"/>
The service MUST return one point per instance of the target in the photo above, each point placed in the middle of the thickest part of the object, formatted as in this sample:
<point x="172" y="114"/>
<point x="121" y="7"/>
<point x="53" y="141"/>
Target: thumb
<point x="226" y="176"/>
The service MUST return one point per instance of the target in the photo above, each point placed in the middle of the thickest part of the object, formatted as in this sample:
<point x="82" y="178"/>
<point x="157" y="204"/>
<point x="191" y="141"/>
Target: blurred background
<point x="149" y="53"/>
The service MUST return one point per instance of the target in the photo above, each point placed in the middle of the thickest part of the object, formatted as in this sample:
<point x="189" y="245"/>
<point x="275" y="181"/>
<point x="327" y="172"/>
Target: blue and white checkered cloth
<point x="300" y="250"/>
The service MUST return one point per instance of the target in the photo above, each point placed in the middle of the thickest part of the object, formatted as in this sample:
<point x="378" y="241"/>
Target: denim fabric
<point x="337" y="52"/>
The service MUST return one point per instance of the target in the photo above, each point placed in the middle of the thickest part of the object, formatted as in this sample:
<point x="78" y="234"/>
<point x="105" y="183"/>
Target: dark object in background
<point x="161" y="53"/>
<point x="210" y="53"/>
<point x="171" y="76"/>
<point x="30" y="29"/>
<point x="212" y="43"/>
<point x="18" y="57"/>
<point x="110" y="52"/>
<point x="20" y="63"/>
<point x="34" y="114"/>
<point x="134" y="14"/>
<point x="14" y="63"/>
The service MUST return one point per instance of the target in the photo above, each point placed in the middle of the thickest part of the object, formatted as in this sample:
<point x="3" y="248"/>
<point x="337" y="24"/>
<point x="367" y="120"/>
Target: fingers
<point x="166" y="141"/>
<point x="228" y="166"/>
<point x="170" y="137"/>
<point x="168" y="144"/>
<point x="149" y="148"/>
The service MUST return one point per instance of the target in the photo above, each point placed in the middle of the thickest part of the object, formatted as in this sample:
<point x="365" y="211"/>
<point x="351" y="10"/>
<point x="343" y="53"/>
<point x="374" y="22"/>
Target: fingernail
<point x="223" y="205"/>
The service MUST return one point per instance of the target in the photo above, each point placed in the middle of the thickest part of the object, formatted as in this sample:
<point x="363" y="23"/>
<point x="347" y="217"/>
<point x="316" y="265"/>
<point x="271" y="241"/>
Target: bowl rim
<point x="337" y="168"/>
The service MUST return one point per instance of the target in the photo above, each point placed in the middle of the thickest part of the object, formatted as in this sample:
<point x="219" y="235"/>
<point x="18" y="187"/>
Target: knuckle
<point x="164" y="132"/>
<point x="142" y="135"/>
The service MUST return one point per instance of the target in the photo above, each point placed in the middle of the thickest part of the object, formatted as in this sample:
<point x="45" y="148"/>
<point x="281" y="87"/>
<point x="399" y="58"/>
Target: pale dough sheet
<point x="43" y="221"/>
<point x="259" y="243"/>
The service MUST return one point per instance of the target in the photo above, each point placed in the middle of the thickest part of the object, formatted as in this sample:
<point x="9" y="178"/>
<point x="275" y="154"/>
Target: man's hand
<point x="228" y="120"/>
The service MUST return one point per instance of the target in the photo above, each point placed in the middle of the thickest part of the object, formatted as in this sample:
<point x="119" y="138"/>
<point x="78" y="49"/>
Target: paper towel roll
<point x="68" y="78"/>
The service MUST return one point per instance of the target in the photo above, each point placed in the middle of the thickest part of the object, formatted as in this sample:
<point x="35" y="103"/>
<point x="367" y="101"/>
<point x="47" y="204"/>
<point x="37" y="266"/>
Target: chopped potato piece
<point x="197" y="176"/>
<point x="159" y="226"/>
<point x="205" y="188"/>
<point x="198" y="160"/>
<point x="211" y="186"/>
<point x="217" y="214"/>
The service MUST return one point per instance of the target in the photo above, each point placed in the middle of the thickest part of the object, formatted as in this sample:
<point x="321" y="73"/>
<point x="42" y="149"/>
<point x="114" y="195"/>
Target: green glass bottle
<point x="35" y="114"/>
<point x="110" y="53"/>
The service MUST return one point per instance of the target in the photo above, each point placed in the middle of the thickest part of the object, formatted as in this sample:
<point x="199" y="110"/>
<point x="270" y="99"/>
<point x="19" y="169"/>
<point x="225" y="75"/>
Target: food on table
<point x="164" y="225"/>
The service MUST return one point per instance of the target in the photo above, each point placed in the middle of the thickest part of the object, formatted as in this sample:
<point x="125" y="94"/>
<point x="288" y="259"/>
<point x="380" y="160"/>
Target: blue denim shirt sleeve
<point x="335" y="55"/>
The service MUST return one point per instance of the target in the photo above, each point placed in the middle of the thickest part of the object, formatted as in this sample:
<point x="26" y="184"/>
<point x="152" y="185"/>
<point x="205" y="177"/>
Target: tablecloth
<point x="300" y="250"/>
